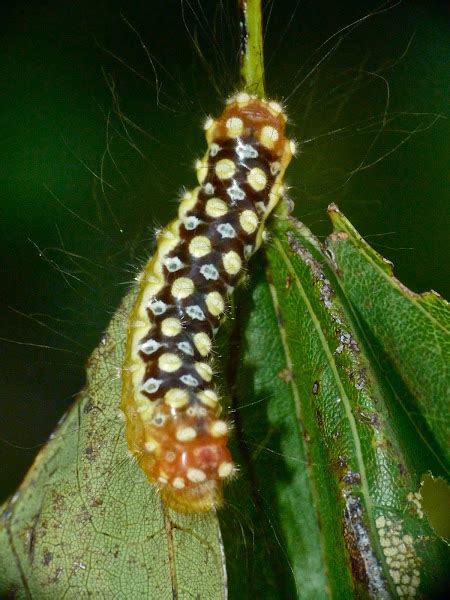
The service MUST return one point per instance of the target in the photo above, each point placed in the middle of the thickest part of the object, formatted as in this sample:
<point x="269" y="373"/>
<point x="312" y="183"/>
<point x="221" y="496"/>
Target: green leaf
<point x="335" y="505"/>
<point x="86" y="522"/>
<point x="412" y="329"/>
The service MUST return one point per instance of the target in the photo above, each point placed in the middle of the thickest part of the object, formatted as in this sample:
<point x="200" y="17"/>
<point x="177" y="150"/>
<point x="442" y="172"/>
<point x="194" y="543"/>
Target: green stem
<point x="252" y="57"/>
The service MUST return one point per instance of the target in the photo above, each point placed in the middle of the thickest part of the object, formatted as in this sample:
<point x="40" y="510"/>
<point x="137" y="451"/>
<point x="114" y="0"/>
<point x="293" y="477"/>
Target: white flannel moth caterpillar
<point x="172" y="410"/>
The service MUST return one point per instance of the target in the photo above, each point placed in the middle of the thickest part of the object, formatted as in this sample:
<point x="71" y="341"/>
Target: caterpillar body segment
<point x="173" y="415"/>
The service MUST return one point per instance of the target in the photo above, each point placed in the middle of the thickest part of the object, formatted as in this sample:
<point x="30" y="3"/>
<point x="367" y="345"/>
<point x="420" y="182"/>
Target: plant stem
<point x="252" y="56"/>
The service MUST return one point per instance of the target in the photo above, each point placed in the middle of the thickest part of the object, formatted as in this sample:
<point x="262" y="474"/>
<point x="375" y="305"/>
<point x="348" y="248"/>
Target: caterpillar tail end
<point x="203" y="498"/>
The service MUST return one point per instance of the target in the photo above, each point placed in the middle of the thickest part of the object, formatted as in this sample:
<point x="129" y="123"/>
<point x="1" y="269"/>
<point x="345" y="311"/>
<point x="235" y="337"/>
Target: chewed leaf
<point x="326" y="466"/>
<point x="412" y="329"/>
<point x="86" y="521"/>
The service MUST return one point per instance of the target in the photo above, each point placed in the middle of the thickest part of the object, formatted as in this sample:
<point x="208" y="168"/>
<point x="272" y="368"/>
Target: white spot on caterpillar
<point x="186" y="348"/>
<point x="195" y="312"/>
<point x="158" y="307"/>
<point x="245" y="150"/>
<point x="191" y="223"/>
<point x="152" y="385"/>
<point x="150" y="346"/>
<point x="182" y="287"/>
<point x="226" y="230"/>
<point x="178" y="483"/>
<point x="189" y="380"/>
<point x="209" y="272"/>
<point x="173" y="264"/>
<point x="232" y="262"/>
<point x="208" y="188"/>
<point x="235" y="192"/>
<point x="196" y="475"/>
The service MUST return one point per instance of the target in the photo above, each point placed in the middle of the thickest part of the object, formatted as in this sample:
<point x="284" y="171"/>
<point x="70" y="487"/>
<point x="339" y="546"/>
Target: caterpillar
<point x="171" y="406"/>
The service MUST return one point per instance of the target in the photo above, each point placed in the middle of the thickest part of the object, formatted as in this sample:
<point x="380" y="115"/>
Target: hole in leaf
<point x="435" y="493"/>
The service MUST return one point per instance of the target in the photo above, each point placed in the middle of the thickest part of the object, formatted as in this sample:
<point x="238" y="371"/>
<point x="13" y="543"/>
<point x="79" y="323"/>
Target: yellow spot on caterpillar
<point x="257" y="179"/>
<point x="182" y="288"/>
<point x="293" y="147"/>
<point x="201" y="166"/>
<point x="225" y="469"/>
<point x="196" y="475"/>
<point x="248" y="221"/>
<point x="154" y="285"/>
<point x="232" y="262"/>
<point x="150" y="445"/>
<point x="169" y="362"/>
<point x="215" y="303"/>
<point x="148" y="414"/>
<point x="186" y="434"/>
<point x="215" y="207"/>
<point x="208" y="397"/>
<point x="170" y="327"/>
<point x="235" y="126"/>
<point x="225" y="168"/>
<point x="188" y="201"/>
<point x="269" y="135"/>
<point x="242" y="98"/>
<point x="208" y="123"/>
<point x="176" y="397"/>
<point x="143" y="404"/>
<point x="218" y="429"/>
<point x="276" y="109"/>
<point x="203" y="343"/>
<point x="139" y="324"/>
<point x="204" y="370"/>
<point x="199" y="246"/>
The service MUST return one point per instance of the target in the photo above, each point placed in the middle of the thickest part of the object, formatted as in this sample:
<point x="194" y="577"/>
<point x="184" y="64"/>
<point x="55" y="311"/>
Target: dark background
<point x="71" y="245"/>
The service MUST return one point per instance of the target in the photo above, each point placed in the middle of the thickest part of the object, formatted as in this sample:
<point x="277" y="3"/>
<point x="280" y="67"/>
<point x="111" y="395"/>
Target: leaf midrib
<point x="344" y="397"/>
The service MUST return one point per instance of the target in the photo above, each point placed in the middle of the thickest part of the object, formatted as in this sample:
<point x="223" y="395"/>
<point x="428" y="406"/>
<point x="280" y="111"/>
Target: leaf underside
<point x="337" y="415"/>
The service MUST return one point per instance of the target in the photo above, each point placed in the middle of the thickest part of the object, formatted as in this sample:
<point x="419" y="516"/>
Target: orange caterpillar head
<point x="247" y="116"/>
